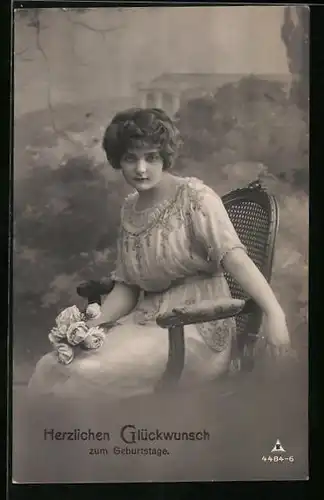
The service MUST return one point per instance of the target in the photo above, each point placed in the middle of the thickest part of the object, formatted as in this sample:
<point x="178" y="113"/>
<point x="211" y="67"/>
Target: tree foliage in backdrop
<point x="253" y="120"/>
<point x="295" y="35"/>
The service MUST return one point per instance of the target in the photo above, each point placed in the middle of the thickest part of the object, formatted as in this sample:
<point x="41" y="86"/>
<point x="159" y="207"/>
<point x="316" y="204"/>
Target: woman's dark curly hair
<point x="137" y="127"/>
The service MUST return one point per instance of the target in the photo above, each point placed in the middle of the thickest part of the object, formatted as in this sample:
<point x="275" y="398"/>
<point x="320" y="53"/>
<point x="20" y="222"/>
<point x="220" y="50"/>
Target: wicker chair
<point x="255" y="216"/>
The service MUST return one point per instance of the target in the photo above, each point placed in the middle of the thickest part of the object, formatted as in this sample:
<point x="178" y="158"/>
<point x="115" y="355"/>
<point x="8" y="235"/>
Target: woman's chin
<point x="143" y="186"/>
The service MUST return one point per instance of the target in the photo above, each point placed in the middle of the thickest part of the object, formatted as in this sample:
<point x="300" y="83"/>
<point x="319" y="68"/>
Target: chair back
<point x="255" y="217"/>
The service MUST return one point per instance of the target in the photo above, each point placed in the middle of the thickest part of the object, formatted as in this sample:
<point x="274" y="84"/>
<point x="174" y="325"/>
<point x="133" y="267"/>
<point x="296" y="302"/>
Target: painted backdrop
<point x="238" y="93"/>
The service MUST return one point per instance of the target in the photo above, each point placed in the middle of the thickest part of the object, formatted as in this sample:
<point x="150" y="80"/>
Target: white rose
<point x="95" y="338"/>
<point x="68" y="316"/>
<point x="57" y="334"/>
<point x="64" y="353"/>
<point x="93" y="311"/>
<point x="77" y="332"/>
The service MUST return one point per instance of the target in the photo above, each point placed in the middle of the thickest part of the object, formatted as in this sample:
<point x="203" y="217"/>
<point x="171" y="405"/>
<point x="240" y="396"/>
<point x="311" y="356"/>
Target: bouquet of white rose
<point x="71" y="331"/>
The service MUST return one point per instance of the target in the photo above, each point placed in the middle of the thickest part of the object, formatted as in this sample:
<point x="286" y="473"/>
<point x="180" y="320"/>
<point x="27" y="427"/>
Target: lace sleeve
<point x="119" y="274"/>
<point x="212" y="226"/>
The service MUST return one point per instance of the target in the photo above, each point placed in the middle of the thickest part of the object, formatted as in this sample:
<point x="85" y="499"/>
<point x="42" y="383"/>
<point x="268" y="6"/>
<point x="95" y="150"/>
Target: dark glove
<point x="92" y="290"/>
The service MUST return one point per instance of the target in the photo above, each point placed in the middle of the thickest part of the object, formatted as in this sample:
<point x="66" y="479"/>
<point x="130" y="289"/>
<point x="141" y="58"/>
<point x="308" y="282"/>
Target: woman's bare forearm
<point x="245" y="272"/>
<point x="118" y="303"/>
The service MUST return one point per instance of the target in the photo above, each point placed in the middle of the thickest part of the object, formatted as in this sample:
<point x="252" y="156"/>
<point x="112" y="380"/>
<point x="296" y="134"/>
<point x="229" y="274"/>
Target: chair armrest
<point x="206" y="310"/>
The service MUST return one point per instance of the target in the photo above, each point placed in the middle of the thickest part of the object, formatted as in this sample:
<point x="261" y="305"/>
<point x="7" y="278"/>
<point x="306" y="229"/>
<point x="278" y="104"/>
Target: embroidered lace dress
<point x="173" y="252"/>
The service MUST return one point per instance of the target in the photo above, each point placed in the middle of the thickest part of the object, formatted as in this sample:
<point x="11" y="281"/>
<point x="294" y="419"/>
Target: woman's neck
<point x="157" y="194"/>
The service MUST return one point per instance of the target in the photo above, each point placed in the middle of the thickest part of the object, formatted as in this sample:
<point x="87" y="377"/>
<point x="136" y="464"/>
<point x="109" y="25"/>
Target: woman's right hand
<point x="94" y="322"/>
<point x="101" y="321"/>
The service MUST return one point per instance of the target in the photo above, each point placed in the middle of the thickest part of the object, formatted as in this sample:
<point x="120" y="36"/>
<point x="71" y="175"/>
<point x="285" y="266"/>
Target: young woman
<point x="175" y="242"/>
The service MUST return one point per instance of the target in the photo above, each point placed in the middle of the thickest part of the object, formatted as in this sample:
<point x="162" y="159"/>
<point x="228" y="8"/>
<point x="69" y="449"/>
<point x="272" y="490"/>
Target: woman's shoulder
<point x="196" y="184"/>
<point x="198" y="191"/>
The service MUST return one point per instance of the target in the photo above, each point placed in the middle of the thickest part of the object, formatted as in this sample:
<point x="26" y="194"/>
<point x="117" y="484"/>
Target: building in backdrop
<point x="169" y="90"/>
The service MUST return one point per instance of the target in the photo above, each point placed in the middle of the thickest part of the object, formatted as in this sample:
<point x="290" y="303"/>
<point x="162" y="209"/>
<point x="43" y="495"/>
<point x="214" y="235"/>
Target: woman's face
<point x="142" y="168"/>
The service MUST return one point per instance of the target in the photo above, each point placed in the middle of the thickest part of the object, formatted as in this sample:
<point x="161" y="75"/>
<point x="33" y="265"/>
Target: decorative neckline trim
<point x="156" y="205"/>
<point x="137" y="222"/>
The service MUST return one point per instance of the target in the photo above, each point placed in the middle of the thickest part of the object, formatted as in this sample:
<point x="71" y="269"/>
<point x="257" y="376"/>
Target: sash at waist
<point x="184" y="281"/>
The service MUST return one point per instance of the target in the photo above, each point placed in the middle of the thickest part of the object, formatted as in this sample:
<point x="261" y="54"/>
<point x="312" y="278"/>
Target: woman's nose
<point x="141" y="166"/>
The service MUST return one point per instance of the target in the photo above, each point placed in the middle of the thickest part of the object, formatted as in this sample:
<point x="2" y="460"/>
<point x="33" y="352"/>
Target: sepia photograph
<point x="160" y="244"/>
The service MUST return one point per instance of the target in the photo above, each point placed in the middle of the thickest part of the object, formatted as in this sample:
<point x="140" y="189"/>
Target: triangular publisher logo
<point x="277" y="447"/>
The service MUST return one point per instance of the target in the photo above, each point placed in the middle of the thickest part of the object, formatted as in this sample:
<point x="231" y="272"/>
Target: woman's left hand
<point x="277" y="335"/>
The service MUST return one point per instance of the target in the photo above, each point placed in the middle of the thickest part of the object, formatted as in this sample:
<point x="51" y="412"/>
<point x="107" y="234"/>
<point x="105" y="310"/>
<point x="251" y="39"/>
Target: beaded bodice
<point x="180" y="237"/>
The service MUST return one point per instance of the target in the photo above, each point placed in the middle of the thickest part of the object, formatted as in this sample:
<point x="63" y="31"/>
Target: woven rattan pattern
<point x="251" y="222"/>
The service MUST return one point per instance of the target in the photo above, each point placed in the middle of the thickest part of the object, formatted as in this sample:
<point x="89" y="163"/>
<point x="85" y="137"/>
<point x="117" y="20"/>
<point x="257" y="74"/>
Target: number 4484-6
<point x="277" y="458"/>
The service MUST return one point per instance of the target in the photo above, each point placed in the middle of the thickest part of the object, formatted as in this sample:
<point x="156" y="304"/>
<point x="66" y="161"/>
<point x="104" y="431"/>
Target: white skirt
<point x="130" y="362"/>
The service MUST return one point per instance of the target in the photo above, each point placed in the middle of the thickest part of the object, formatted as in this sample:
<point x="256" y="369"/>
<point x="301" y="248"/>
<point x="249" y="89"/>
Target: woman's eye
<point x="129" y="158"/>
<point x="152" y="157"/>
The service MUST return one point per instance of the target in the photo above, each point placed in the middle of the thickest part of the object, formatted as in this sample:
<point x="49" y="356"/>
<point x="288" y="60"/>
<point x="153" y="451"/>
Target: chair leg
<point x="243" y="354"/>
<point x="176" y="359"/>
<point x="248" y="356"/>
